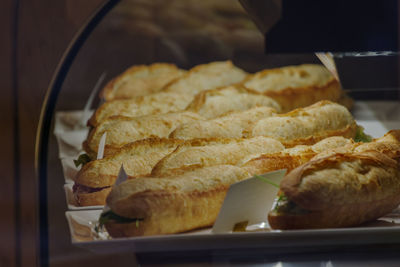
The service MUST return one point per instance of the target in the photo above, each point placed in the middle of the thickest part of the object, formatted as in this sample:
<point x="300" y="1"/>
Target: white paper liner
<point x="70" y="135"/>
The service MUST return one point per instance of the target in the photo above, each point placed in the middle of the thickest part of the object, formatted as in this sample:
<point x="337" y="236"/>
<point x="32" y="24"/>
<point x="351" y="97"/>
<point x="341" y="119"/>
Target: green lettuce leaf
<point x="108" y="216"/>
<point x="82" y="159"/>
<point x="361" y="136"/>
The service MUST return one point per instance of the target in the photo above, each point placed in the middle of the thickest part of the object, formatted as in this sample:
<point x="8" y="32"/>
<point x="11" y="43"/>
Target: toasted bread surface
<point x="123" y="130"/>
<point x="215" y="154"/>
<point x="308" y="125"/>
<point x="296" y="86"/>
<point x="152" y="104"/>
<point x="205" y="77"/>
<point x="233" y="125"/>
<point x="291" y="158"/>
<point x="141" y="80"/>
<point x="218" y="102"/>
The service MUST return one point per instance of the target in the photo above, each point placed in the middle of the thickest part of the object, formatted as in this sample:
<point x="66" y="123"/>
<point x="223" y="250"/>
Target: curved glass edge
<point x="46" y="115"/>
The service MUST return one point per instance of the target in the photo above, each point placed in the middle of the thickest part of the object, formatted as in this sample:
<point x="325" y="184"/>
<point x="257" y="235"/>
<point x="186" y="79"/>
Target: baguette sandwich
<point x="123" y="130"/>
<point x="205" y="77"/>
<point x="94" y="180"/>
<point x="168" y="205"/>
<point x="306" y="126"/>
<point x="140" y="80"/>
<point x="343" y="188"/>
<point x="296" y="86"/>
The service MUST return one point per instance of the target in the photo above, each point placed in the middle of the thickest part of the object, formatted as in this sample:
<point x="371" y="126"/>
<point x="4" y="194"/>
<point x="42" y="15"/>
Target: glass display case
<point x="121" y="34"/>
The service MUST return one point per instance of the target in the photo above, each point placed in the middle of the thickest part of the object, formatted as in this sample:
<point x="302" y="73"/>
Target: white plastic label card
<point x="102" y="144"/>
<point x="122" y="176"/>
<point x="86" y="110"/>
<point x="249" y="200"/>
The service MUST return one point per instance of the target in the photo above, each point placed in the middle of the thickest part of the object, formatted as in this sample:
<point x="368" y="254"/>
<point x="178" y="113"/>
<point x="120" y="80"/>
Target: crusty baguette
<point x="140" y="80"/>
<point x="138" y="158"/>
<point x="173" y="204"/>
<point x="124" y="130"/>
<point x="233" y="125"/>
<point x="296" y="86"/>
<point x="308" y="125"/>
<point x="152" y="104"/>
<point x="291" y="158"/>
<point x="205" y="77"/>
<point x="217" y="102"/>
<point x="189" y="158"/>
<point x="344" y="188"/>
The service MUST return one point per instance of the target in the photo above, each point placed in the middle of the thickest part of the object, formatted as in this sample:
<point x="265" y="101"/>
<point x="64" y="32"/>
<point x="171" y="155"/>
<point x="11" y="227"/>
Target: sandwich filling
<point x="110" y="216"/>
<point x="361" y="136"/>
<point x="82" y="160"/>
<point x="283" y="204"/>
<point x="82" y="189"/>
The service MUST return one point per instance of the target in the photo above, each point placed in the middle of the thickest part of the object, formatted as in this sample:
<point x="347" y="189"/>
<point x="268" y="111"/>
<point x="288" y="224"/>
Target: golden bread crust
<point x="153" y="104"/>
<point x="123" y="130"/>
<point x="233" y="125"/>
<point x="215" y="154"/>
<point x="140" y="80"/>
<point x="205" y="77"/>
<point x="218" y="102"/>
<point x="174" y="204"/>
<point x="291" y="158"/>
<point x="340" y="179"/>
<point x="296" y="86"/>
<point x="308" y="125"/>
<point x="138" y="159"/>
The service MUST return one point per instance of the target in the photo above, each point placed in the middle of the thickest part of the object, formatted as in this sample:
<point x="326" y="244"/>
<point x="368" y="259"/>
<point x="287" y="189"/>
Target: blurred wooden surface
<point x="7" y="206"/>
<point x="44" y="29"/>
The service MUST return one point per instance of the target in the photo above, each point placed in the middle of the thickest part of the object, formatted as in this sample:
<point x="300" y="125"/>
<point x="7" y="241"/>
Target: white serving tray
<point x="386" y="230"/>
<point x="376" y="117"/>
